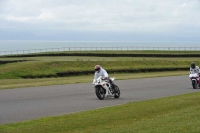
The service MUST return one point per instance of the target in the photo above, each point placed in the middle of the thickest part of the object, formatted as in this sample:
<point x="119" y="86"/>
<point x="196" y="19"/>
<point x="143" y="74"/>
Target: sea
<point x="23" y="46"/>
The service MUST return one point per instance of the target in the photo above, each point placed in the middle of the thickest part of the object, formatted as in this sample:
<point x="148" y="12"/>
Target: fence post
<point x="117" y="48"/>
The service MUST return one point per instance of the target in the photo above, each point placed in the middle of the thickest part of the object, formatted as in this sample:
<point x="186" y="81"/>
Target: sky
<point x="100" y="20"/>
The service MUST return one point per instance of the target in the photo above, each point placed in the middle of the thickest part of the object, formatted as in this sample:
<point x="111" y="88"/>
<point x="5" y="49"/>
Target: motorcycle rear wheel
<point x="117" y="92"/>
<point x="100" y="92"/>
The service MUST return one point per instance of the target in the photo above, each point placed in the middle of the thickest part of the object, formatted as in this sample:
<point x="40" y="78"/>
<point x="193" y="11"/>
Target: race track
<point x="31" y="103"/>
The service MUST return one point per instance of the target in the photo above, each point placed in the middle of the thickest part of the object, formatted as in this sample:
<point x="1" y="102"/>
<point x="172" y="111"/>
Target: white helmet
<point x="97" y="68"/>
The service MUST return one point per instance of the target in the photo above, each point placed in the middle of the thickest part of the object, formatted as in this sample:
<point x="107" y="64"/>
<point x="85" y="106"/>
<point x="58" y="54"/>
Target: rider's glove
<point x="105" y="78"/>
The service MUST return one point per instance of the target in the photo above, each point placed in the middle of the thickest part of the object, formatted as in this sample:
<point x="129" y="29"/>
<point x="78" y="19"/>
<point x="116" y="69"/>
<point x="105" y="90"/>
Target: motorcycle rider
<point x="194" y="68"/>
<point x="99" y="71"/>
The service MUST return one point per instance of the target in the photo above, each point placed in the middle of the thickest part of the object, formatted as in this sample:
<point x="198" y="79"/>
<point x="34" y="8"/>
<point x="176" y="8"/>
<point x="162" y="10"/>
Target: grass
<point x="119" y="51"/>
<point x="175" y="114"/>
<point x="19" y="83"/>
<point x="36" y="68"/>
<point x="43" y="66"/>
<point x="86" y="58"/>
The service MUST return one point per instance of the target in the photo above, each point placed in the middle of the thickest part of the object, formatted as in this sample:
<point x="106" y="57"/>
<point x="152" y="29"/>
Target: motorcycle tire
<point x="100" y="92"/>
<point x="117" y="92"/>
<point x="194" y="84"/>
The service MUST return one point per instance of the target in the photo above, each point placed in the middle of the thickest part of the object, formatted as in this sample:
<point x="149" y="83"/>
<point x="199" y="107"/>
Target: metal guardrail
<point x="35" y="51"/>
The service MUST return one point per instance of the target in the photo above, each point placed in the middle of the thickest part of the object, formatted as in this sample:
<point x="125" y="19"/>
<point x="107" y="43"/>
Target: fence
<point x="35" y="51"/>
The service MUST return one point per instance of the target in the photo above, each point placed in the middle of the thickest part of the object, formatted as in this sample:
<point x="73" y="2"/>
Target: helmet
<point x="97" y="68"/>
<point x="193" y="65"/>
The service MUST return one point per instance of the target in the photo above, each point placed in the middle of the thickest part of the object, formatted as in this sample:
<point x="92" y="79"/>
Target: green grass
<point x="87" y="58"/>
<point x="167" y="115"/>
<point x="35" y="68"/>
<point x="19" y="83"/>
<point x="119" y="51"/>
<point x="50" y="65"/>
<point x="175" y="114"/>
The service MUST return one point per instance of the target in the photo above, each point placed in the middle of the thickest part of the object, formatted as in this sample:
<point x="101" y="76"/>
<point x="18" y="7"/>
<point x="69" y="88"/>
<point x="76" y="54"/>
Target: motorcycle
<point x="194" y="77"/>
<point x="101" y="86"/>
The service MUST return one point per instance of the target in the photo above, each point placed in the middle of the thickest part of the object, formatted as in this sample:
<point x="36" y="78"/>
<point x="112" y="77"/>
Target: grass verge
<point x="19" y="83"/>
<point x="90" y="58"/>
<point x="176" y="114"/>
<point x="44" y="69"/>
<point x="118" y="51"/>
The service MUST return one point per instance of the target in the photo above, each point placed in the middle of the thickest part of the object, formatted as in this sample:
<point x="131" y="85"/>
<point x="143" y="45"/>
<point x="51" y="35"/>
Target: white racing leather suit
<point x="196" y="70"/>
<point x="103" y="75"/>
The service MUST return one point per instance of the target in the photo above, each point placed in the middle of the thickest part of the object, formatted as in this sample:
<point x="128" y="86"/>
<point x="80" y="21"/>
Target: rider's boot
<point x="111" y="84"/>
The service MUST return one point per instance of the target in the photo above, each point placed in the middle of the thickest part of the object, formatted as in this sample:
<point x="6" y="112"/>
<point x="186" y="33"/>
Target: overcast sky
<point x="100" y="20"/>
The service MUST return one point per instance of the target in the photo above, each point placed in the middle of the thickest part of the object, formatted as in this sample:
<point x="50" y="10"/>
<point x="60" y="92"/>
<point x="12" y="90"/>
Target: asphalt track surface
<point x="36" y="102"/>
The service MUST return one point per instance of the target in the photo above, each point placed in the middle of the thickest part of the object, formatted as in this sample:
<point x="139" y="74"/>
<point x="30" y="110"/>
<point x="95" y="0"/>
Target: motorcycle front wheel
<point x="117" y="92"/>
<point x="194" y="84"/>
<point x="100" y="92"/>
